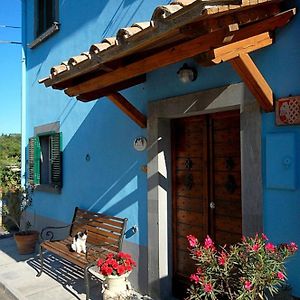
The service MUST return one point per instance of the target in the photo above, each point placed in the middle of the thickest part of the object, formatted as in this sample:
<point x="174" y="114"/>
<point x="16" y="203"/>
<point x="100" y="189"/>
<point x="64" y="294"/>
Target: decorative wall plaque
<point x="288" y="111"/>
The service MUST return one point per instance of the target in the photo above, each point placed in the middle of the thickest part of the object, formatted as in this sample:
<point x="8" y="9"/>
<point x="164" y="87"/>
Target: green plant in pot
<point x="17" y="201"/>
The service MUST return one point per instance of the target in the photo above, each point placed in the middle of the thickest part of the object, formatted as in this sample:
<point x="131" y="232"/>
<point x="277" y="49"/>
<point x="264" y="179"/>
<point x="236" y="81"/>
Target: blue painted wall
<point x="112" y="181"/>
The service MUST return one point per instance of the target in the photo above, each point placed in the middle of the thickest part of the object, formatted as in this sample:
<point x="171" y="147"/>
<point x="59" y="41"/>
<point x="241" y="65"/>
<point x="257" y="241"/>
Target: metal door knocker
<point x="188" y="181"/>
<point x="188" y="163"/>
<point x="229" y="163"/>
<point x="231" y="184"/>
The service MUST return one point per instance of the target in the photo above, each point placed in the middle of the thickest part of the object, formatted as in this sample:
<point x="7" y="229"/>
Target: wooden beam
<point x="177" y="53"/>
<point x="250" y="74"/>
<point x="228" y="52"/>
<point x="128" y="109"/>
<point x="111" y="89"/>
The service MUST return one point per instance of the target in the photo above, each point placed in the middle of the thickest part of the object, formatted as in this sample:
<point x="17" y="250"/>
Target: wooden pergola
<point x="220" y="33"/>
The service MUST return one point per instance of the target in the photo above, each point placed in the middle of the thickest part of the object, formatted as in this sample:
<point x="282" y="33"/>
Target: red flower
<point x="121" y="270"/>
<point x="208" y="288"/>
<point x="100" y="262"/>
<point x="195" y="277"/>
<point x="280" y="275"/>
<point x="264" y="237"/>
<point x="255" y="247"/>
<point x="198" y="253"/>
<point x="128" y="268"/>
<point x="193" y="241"/>
<point x="248" y="285"/>
<point x="270" y="247"/>
<point x="115" y="264"/>
<point x="199" y="271"/>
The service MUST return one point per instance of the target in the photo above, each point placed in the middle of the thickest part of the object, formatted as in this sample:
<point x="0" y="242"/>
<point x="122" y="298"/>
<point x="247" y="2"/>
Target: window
<point x="46" y="15"/>
<point x="45" y="160"/>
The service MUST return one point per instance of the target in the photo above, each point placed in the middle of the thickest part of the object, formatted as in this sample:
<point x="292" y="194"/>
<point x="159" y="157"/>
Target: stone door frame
<point x="235" y="96"/>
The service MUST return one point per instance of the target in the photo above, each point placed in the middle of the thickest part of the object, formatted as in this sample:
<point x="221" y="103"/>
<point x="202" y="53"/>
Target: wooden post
<point x="128" y="109"/>
<point x="250" y="74"/>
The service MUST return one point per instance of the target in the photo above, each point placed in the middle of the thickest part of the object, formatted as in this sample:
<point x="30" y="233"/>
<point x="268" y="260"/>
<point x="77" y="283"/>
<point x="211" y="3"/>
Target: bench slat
<point x="94" y="215"/>
<point x="99" y="220"/>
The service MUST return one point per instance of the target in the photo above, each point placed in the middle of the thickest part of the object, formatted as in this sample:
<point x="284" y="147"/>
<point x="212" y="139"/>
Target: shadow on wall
<point x="102" y="172"/>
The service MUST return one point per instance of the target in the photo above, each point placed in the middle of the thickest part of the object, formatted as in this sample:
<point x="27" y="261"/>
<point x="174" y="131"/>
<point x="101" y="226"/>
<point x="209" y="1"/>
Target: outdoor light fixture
<point x="187" y="74"/>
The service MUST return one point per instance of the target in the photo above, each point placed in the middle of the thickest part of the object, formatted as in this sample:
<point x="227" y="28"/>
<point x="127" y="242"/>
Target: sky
<point x="10" y="66"/>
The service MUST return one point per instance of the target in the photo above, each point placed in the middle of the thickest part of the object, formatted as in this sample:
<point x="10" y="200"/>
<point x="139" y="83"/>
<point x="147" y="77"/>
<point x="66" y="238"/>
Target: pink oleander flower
<point x="199" y="271"/>
<point x="208" y="243"/>
<point x="208" y="288"/>
<point x="198" y="253"/>
<point x="248" y="285"/>
<point x="264" y="237"/>
<point x="193" y="241"/>
<point x="255" y="247"/>
<point x="222" y="259"/>
<point x="280" y="275"/>
<point x="270" y="247"/>
<point x="195" y="278"/>
<point x="293" y="247"/>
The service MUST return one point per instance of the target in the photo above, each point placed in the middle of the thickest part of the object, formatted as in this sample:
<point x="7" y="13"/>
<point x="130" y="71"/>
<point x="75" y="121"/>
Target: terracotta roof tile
<point x="164" y="11"/>
<point x="124" y="34"/>
<point x="78" y="59"/>
<point x="60" y="68"/>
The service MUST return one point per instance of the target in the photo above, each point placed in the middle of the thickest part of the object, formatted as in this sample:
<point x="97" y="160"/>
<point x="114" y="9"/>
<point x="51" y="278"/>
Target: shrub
<point x="245" y="270"/>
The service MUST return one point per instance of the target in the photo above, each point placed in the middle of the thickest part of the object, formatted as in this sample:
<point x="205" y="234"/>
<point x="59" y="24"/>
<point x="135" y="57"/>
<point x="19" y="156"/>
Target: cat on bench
<point x="79" y="242"/>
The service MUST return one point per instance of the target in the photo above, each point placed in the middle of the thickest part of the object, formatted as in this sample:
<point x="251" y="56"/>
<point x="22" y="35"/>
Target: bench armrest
<point x="47" y="233"/>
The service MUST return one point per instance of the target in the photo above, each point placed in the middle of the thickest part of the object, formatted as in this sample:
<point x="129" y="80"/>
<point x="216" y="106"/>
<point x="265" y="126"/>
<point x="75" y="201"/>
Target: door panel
<point x="206" y="168"/>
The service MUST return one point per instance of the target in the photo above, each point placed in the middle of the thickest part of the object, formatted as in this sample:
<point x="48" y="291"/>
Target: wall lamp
<point x="187" y="74"/>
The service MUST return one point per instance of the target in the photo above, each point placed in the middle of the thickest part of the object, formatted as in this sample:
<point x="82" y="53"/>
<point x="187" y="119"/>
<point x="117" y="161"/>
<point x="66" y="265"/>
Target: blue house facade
<point x="119" y="127"/>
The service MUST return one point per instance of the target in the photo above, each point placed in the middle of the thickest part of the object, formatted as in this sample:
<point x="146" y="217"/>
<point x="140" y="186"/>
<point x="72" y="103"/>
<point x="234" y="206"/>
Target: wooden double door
<point x="206" y="186"/>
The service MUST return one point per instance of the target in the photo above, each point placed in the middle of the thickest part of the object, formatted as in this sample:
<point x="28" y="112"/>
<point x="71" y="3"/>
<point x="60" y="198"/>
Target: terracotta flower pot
<point x="26" y="241"/>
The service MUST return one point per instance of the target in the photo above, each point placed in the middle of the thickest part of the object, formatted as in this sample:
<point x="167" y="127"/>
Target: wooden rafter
<point x="246" y="68"/>
<point x="178" y="53"/>
<point x="111" y="89"/>
<point x="228" y="52"/>
<point x="128" y="109"/>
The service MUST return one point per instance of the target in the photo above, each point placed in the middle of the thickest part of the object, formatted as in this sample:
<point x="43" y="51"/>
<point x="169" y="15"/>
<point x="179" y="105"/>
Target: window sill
<point x="48" y="188"/>
<point x="44" y="36"/>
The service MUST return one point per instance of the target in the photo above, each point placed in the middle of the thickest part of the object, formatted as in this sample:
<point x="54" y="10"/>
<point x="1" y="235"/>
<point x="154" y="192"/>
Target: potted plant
<point x="250" y="269"/>
<point x="17" y="200"/>
<point x="115" y="269"/>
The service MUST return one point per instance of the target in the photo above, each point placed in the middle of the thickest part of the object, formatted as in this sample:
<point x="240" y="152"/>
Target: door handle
<point x="212" y="205"/>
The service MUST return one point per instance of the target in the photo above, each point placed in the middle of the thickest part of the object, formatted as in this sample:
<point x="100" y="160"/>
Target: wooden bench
<point x="105" y="235"/>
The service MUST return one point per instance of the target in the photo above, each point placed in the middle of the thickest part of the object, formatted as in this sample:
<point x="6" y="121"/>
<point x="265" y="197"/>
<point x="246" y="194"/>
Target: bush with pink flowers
<point x="246" y="270"/>
<point x="116" y="264"/>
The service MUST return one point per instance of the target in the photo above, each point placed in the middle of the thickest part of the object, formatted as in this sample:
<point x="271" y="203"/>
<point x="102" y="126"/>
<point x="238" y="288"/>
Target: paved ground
<point x="60" y="280"/>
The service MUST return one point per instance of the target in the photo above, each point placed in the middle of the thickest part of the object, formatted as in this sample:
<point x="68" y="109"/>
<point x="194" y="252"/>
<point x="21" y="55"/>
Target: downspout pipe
<point x="23" y="93"/>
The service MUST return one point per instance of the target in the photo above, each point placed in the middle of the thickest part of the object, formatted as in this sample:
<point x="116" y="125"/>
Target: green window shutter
<point x="56" y="159"/>
<point x="34" y="155"/>
<point x="37" y="161"/>
<point x="31" y="160"/>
